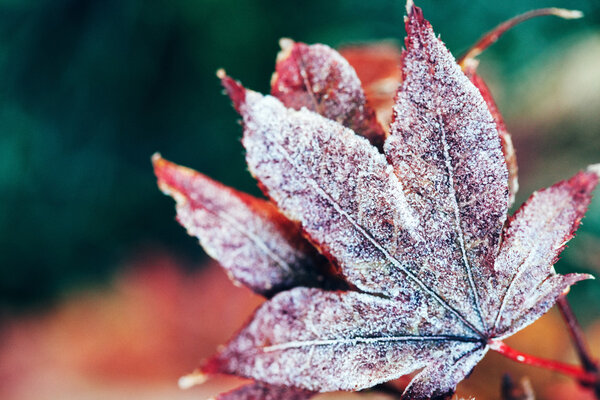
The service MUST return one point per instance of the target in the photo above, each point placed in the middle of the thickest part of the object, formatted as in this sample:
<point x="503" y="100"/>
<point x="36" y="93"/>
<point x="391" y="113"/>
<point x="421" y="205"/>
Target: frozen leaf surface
<point x="525" y="284"/>
<point x="418" y="230"/>
<point x="379" y="68"/>
<point x="320" y="79"/>
<point x="444" y="147"/>
<point x="330" y="341"/>
<point x="252" y="240"/>
<point x="505" y="138"/>
<point x="469" y="64"/>
<point x="435" y="280"/>
<point x="336" y="184"/>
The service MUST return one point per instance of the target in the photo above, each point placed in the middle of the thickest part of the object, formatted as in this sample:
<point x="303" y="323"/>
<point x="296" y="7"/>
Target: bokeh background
<point x="101" y="292"/>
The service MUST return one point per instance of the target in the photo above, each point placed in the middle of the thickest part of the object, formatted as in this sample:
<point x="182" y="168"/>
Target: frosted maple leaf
<point x="431" y="271"/>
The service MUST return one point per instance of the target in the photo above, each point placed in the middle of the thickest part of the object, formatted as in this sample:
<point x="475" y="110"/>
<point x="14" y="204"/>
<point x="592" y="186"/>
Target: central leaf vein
<point x="367" y="340"/>
<point x="458" y="220"/>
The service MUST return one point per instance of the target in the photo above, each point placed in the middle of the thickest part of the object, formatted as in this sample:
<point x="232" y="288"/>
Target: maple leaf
<point x="505" y="139"/>
<point x="257" y="246"/>
<point x="437" y="274"/>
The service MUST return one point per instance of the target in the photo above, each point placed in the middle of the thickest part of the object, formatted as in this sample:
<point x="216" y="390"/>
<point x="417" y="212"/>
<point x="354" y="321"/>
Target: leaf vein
<point x="519" y="271"/>
<point x="377" y="245"/>
<point x="260" y="244"/>
<point x="367" y="340"/>
<point x="458" y="221"/>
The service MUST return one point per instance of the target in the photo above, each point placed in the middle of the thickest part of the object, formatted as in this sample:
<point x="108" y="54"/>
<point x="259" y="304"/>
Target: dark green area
<point x="90" y="89"/>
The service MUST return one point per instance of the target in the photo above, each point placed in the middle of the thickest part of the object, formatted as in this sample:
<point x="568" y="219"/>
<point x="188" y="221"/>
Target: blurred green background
<point x="90" y="89"/>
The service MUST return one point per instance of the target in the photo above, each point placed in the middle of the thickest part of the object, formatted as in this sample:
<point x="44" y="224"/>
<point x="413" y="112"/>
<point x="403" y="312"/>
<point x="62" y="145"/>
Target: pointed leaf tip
<point x="165" y="169"/>
<point x="234" y="89"/>
<point x="594" y="169"/>
<point x="415" y="13"/>
<point x="286" y="43"/>
<point x="287" y="46"/>
<point x="166" y="174"/>
<point x="585" y="182"/>
<point x="191" y="380"/>
<point x="584" y="277"/>
<point x="156" y="157"/>
<point x="568" y="14"/>
<point x="414" y="21"/>
<point x="161" y="168"/>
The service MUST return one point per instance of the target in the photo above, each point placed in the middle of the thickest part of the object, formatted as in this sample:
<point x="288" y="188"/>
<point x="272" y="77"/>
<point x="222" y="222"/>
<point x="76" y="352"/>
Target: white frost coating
<point x="341" y="189"/>
<point x="535" y="237"/>
<point x="357" y="347"/>
<point x="313" y="146"/>
<point x="428" y="245"/>
<point x="445" y="148"/>
<point x="594" y="168"/>
<point x="440" y="377"/>
<point x="255" y="244"/>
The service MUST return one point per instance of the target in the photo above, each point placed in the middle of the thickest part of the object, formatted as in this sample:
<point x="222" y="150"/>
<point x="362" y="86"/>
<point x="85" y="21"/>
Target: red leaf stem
<point x="577" y="372"/>
<point x="492" y="36"/>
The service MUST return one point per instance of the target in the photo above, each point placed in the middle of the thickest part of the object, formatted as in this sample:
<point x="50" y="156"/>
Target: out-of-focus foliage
<point x="131" y="341"/>
<point x="90" y="89"/>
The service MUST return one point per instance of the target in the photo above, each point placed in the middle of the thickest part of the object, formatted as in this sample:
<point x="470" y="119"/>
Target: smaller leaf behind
<point x="256" y="245"/>
<point x="319" y="78"/>
<point x="378" y="68"/>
